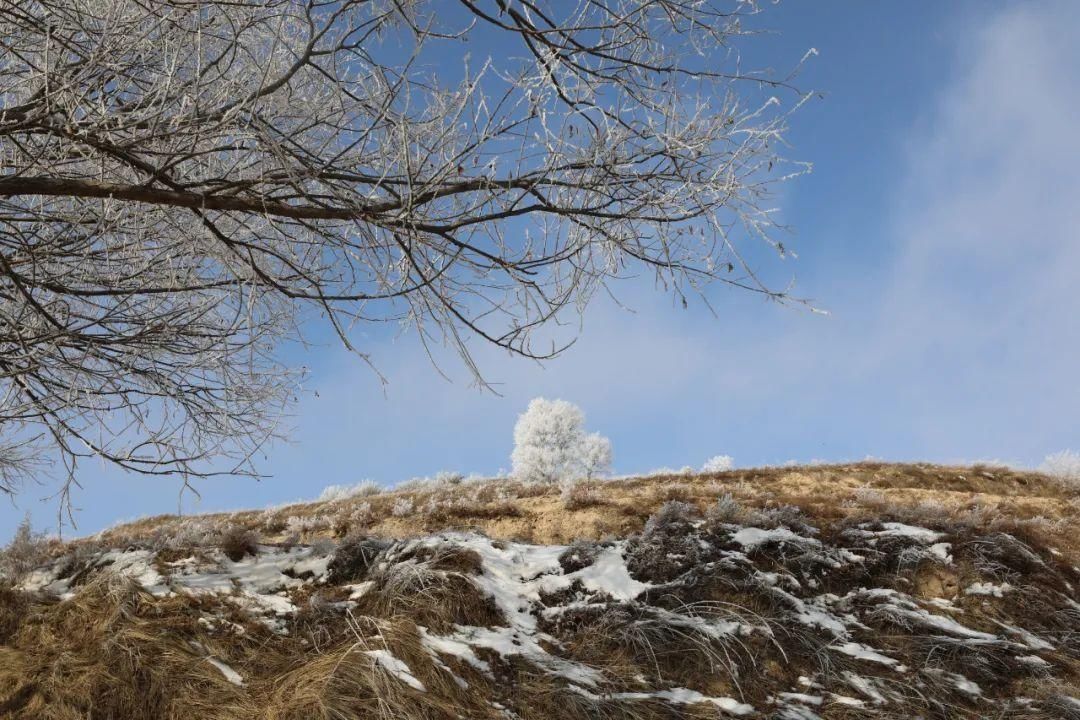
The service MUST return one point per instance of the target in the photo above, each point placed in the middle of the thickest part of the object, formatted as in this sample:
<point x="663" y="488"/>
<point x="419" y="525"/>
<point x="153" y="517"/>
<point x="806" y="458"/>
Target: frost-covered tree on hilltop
<point x="551" y="445"/>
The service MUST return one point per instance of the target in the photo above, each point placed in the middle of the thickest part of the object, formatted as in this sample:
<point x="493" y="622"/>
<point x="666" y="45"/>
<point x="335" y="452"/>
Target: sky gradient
<point x="940" y="228"/>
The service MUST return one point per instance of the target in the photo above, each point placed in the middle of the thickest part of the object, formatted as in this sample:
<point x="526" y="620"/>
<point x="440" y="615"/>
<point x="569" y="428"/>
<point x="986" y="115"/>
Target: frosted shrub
<point x="666" y="471"/>
<point x="718" y="463"/>
<point x="27" y="551"/>
<point x="300" y="524"/>
<point x="1064" y="466"/>
<point x="185" y="534"/>
<point x="726" y="511"/>
<point x="413" y="484"/>
<point x="402" y="507"/>
<point x="344" y="492"/>
<point x="362" y="514"/>
<point x="449" y="477"/>
<point x="595" y="455"/>
<point x="667" y="547"/>
<point x="473" y="479"/>
<point x="550" y="444"/>
<point x="331" y="493"/>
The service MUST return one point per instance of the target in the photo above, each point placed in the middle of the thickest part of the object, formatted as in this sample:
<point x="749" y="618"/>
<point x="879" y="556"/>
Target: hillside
<point x="851" y="591"/>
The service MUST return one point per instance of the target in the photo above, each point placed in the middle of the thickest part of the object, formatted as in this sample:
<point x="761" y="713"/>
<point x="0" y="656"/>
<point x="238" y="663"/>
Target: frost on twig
<point x="185" y="185"/>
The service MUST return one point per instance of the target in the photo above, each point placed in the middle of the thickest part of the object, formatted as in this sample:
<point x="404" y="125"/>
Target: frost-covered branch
<point x="185" y="183"/>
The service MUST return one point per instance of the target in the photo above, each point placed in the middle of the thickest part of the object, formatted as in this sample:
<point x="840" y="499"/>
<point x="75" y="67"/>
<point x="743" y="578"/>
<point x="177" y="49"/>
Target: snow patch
<point x="396" y="667"/>
<point x="863" y="652"/>
<point x="752" y="537"/>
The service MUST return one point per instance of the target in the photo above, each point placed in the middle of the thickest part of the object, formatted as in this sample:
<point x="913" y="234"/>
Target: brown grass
<point x="112" y="652"/>
<point x="431" y="591"/>
<point x="537" y="513"/>
<point x="347" y="682"/>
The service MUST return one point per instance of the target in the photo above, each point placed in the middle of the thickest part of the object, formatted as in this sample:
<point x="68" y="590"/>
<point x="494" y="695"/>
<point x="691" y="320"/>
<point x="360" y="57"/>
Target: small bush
<point x="449" y="477"/>
<point x="579" y="555"/>
<point x="673" y="515"/>
<point x="726" y="511"/>
<point x="354" y="558"/>
<point x="667" y="547"/>
<point x="27" y="551"/>
<point x="869" y="497"/>
<point x="669" y="472"/>
<point x="673" y="492"/>
<point x="402" y="507"/>
<point x="238" y="543"/>
<point x="788" y="516"/>
<point x="578" y="495"/>
<point x="1065" y="466"/>
<point x="718" y="463"/>
<point x="179" y="535"/>
<point x="300" y="524"/>
<point x="361" y="515"/>
<point x="334" y="493"/>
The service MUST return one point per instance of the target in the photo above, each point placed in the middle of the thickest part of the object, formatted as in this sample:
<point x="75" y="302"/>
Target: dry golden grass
<point x="112" y="652"/>
<point x="509" y="510"/>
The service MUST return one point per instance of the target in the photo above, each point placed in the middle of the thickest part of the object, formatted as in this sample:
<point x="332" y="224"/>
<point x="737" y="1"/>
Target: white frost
<point x="985" y="588"/>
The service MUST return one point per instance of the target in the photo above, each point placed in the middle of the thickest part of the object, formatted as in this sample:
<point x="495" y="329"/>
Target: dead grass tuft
<point x="349" y="681"/>
<point x="581" y="495"/>
<point x="433" y="589"/>
<point x="238" y="543"/>
<point x="354" y="558"/>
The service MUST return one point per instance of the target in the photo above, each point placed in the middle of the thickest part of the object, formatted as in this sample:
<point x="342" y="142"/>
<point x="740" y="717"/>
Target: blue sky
<point x="940" y="228"/>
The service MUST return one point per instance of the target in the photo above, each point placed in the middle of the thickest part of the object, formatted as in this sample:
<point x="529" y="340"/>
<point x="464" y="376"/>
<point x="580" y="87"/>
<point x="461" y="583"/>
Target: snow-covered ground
<point x="793" y="572"/>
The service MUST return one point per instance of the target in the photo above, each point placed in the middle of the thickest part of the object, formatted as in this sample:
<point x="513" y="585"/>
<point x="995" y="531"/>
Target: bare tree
<point x="185" y="182"/>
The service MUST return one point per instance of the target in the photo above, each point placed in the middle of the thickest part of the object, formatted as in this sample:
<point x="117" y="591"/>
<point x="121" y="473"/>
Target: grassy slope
<point x="507" y="510"/>
<point x="114" y="651"/>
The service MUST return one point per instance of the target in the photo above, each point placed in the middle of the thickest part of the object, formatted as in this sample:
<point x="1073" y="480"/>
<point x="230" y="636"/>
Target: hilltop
<point x="868" y="590"/>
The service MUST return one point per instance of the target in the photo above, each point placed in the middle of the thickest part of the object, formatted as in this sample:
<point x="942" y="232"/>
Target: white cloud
<point x="983" y="308"/>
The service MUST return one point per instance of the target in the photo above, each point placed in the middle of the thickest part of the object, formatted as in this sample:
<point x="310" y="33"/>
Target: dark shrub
<point x="354" y="558"/>
<point x="581" y="554"/>
<point x="668" y="546"/>
<point x="238" y="543"/>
